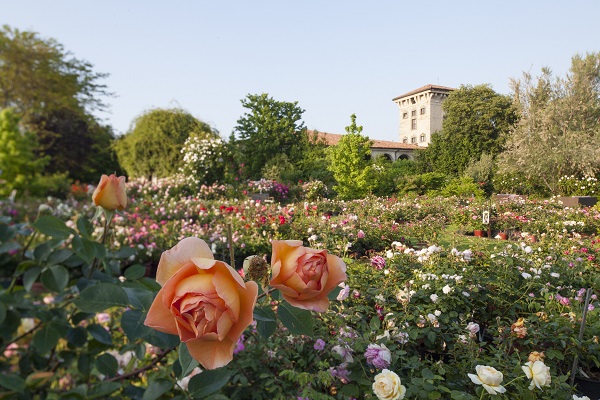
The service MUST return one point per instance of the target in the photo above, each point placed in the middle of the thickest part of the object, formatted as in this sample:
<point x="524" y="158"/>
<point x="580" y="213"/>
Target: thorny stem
<point x="138" y="371"/>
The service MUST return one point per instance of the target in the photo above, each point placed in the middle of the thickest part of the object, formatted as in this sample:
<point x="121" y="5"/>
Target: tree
<point x="558" y="132"/>
<point x="55" y="95"/>
<point x="476" y="121"/>
<point x="18" y="164"/>
<point x="268" y="128"/>
<point x="350" y="162"/>
<point x="152" y="148"/>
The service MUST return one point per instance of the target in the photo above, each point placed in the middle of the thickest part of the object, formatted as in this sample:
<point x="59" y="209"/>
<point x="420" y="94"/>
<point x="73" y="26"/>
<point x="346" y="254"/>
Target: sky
<point x="335" y="58"/>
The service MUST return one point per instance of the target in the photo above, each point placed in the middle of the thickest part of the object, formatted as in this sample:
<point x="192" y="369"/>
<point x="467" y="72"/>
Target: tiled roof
<point x="332" y="139"/>
<point x="425" y="88"/>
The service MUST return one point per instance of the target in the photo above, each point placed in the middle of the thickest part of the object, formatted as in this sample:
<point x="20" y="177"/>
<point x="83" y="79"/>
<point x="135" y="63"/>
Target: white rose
<point x="538" y="372"/>
<point x="575" y="397"/>
<point x="489" y="377"/>
<point x="387" y="386"/>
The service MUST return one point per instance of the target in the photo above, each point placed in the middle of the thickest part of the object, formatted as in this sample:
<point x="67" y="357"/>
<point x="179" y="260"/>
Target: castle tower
<point x="421" y="113"/>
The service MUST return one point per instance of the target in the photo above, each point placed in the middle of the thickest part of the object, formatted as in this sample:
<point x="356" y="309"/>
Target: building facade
<point x="379" y="148"/>
<point x="421" y="113"/>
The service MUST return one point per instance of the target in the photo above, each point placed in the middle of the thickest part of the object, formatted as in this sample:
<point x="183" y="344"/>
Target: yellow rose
<point x="305" y="276"/>
<point x="387" y="386"/>
<point x="204" y="301"/>
<point x="488" y="377"/>
<point x="110" y="193"/>
<point x="538" y="372"/>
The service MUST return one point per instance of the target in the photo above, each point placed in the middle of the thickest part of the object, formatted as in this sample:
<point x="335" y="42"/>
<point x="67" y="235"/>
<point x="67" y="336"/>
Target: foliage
<point x="422" y="183"/>
<point x="55" y="94"/>
<point x="152" y="147"/>
<point x="462" y="187"/>
<point x="482" y="171"/>
<point x="476" y="121"/>
<point x="557" y="134"/>
<point x="572" y="186"/>
<point x="350" y="163"/>
<point x="268" y="128"/>
<point x="203" y="160"/>
<point x="18" y="164"/>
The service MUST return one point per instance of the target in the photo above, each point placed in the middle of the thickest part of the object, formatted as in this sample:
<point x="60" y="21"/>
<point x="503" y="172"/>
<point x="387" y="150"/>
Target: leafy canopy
<point x="558" y="133"/>
<point x="350" y="162"/>
<point x="153" y="147"/>
<point x="267" y="129"/>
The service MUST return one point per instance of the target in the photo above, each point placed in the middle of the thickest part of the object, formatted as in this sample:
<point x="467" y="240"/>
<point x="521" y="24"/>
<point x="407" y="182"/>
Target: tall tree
<point x="559" y="129"/>
<point x="350" y="162"/>
<point x="268" y="128"/>
<point x="55" y="94"/>
<point x="476" y="121"/>
<point x="152" y="148"/>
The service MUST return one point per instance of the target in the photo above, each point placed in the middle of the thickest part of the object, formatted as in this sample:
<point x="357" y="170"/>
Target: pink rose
<point x="305" y="276"/>
<point x="202" y="300"/>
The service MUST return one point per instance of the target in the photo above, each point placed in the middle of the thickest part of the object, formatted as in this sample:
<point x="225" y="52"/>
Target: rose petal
<point x="284" y="259"/>
<point x="246" y="316"/>
<point x="211" y="354"/>
<point x="172" y="260"/>
<point x="160" y="317"/>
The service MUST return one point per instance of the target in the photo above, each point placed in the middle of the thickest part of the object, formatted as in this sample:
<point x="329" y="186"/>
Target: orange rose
<point x="110" y="193"/>
<point x="202" y="300"/>
<point x="305" y="276"/>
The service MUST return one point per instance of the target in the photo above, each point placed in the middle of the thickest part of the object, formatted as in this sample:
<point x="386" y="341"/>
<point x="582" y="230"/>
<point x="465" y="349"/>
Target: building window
<point x="405" y="140"/>
<point x="404" y="115"/>
<point x="413" y="124"/>
<point x="423" y="111"/>
<point x="413" y="113"/>
<point x="413" y="139"/>
<point x="422" y="137"/>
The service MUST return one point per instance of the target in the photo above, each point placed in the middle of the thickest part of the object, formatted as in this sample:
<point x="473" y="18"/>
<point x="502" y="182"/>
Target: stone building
<point x="391" y="150"/>
<point x="421" y="113"/>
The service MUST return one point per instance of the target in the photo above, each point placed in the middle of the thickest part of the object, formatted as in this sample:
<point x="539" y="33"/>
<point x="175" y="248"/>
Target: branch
<point x="140" y="370"/>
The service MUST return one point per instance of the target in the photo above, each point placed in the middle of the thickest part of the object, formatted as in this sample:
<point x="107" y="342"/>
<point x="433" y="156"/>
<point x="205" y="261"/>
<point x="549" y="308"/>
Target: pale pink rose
<point x="305" y="276"/>
<point x="202" y="300"/>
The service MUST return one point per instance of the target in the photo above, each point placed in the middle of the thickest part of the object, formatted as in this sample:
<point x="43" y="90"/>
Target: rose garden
<point x="379" y="297"/>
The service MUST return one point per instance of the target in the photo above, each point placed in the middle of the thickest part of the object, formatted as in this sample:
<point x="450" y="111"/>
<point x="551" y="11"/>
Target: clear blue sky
<point x="334" y="57"/>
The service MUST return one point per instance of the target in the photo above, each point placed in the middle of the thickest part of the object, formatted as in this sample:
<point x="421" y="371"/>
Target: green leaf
<point x="77" y="336"/>
<point x="101" y="297"/>
<point x="298" y="321"/>
<point x="55" y="278"/>
<point x="2" y="312"/>
<point x="427" y="374"/>
<point x="102" y="390"/>
<point x="266" y="328"/>
<point x="162" y="340"/>
<point x="58" y="256"/>
<point x="264" y="314"/>
<point x="375" y="323"/>
<point x="84" y="248"/>
<point x="85" y="227"/>
<point x="51" y="226"/>
<point x="107" y="364"/>
<point x="139" y="298"/>
<point x="83" y="364"/>
<point x="186" y="361"/>
<point x="126" y="252"/>
<point x="30" y="276"/>
<point x="157" y="388"/>
<point x="9" y="246"/>
<point x="99" y="333"/>
<point x="45" y="339"/>
<point x="41" y="251"/>
<point x="12" y="382"/>
<point x="132" y="323"/>
<point x="208" y="382"/>
<point x="135" y="272"/>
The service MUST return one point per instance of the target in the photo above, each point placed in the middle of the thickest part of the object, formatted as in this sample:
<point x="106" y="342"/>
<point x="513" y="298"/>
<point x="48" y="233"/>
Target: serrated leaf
<point x="58" y="256"/>
<point x="101" y="297"/>
<point x="55" y="278"/>
<point x="208" y="382"/>
<point x="99" y="333"/>
<point x="135" y="272"/>
<point x="45" y="339"/>
<point x="186" y="361"/>
<point x="107" y="364"/>
<point x="264" y="314"/>
<point x="12" y="382"/>
<point x="51" y="226"/>
<point x="298" y="321"/>
<point x="266" y="328"/>
<point x="85" y="227"/>
<point x="84" y="248"/>
<point x="157" y="388"/>
<point x="139" y="298"/>
<point x="30" y="276"/>
<point x="41" y="251"/>
<point x="77" y="336"/>
<point x="132" y="322"/>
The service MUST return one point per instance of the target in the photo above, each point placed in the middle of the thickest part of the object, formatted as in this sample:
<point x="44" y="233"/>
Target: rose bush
<point x="202" y="300"/>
